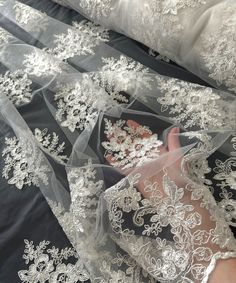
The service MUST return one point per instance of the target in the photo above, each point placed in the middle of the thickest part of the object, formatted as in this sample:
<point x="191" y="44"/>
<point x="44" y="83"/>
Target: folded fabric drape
<point x="139" y="169"/>
<point x="197" y="34"/>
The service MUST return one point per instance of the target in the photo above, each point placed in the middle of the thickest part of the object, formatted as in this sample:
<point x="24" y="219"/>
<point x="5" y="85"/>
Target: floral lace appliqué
<point x="23" y="164"/>
<point x="50" y="143"/>
<point x="65" y="219"/>
<point x="16" y="86"/>
<point x="30" y="18"/>
<point x="50" y="265"/>
<point x="169" y="209"/>
<point x="84" y="195"/>
<point x="183" y="100"/>
<point x="5" y="36"/>
<point x="130" y="145"/>
<point x="97" y="8"/>
<point x="77" y="104"/>
<point x="225" y="174"/>
<point x="173" y="6"/>
<point x="122" y="75"/>
<point x="41" y="65"/>
<point x="79" y="40"/>
<point x="217" y="53"/>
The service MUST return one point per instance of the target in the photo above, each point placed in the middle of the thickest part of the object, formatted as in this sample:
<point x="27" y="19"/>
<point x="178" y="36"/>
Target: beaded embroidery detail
<point x="97" y="8"/>
<point x="23" y="164"/>
<point x="5" y="36"/>
<point x="130" y="145"/>
<point x="41" y="65"/>
<point x="173" y="6"/>
<point x="78" y="104"/>
<point x="81" y="39"/>
<point x="50" y="143"/>
<point x="16" y="86"/>
<point x="183" y="100"/>
<point x="84" y="195"/>
<point x="218" y="54"/>
<point x="176" y="210"/>
<point x="34" y="20"/>
<point x="122" y="75"/>
<point x="49" y="264"/>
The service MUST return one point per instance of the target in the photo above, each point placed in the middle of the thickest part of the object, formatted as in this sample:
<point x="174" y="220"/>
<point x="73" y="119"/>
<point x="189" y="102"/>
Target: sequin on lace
<point x="16" y="86"/>
<point x="47" y="263"/>
<point x="84" y="195"/>
<point x="97" y="8"/>
<point x="50" y="144"/>
<point x="130" y="145"/>
<point x="173" y="6"/>
<point x="183" y="100"/>
<point x="5" y="36"/>
<point x="34" y="20"/>
<point x="217" y="53"/>
<point x="192" y="247"/>
<point x="41" y="65"/>
<point x="81" y="39"/>
<point x="78" y="104"/>
<point x="225" y="174"/>
<point x="120" y="75"/>
<point x="65" y="219"/>
<point x="23" y="164"/>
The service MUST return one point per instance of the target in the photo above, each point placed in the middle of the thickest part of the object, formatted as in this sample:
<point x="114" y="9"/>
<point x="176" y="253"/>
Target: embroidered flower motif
<point x="69" y="273"/>
<point x="122" y="75"/>
<point x="128" y="199"/>
<point x="16" y="86"/>
<point x="218" y="50"/>
<point x="226" y="173"/>
<point x="130" y="145"/>
<point x="228" y="206"/>
<point x="78" y="104"/>
<point x="84" y="194"/>
<point x="41" y="65"/>
<point x="5" y="36"/>
<point x="39" y="271"/>
<point x="97" y="8"/>
<point x="50" y="143"/>
<point x="65" y="219"/>
<point x="46" y="265"/>
<point x="23" y="164"/>
<point x="29" y="18"/>
<point x="173" y="6"/>
<point x="171" y="261"/>
<point x="81" y="39"/>
<point x="183" y="100"/>
<point x="188" y="250"/>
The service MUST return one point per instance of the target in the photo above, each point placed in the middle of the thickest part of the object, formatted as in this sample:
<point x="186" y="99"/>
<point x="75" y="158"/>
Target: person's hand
<point x="168" y="162"/>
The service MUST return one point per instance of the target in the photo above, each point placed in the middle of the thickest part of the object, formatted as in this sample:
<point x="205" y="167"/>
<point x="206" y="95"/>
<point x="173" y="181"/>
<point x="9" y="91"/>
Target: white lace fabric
<point x="197" y="34"/>
<point x="129" y="215"/>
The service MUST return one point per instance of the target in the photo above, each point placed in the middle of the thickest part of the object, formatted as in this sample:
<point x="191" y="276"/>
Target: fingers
<point x="109" y="158"/>
<point x="173" y="139"/>
<point x="135" y="126"/>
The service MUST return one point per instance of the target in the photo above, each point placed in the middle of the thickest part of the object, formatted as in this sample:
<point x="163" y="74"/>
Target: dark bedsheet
<point x="25" y="214"/>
